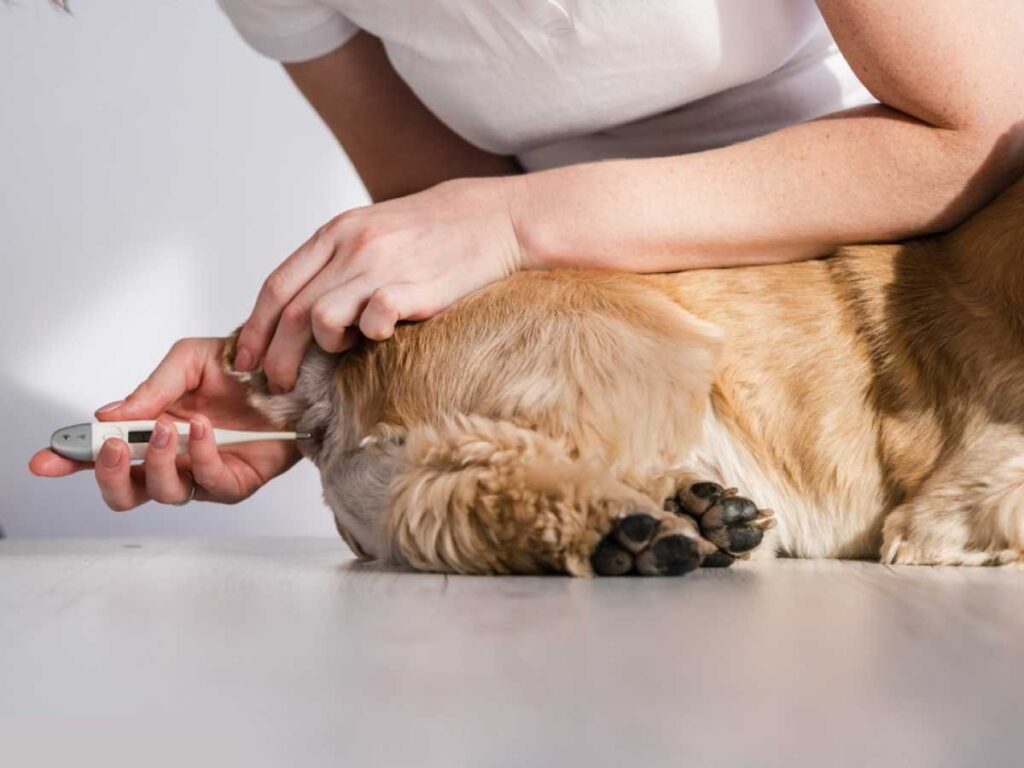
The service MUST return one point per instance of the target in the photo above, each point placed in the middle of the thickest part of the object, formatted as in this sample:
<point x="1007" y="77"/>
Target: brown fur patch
<point x="539" y="408"/>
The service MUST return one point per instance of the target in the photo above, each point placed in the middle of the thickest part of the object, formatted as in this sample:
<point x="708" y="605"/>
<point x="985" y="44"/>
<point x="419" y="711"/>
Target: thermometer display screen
<point x="140" y="436"/>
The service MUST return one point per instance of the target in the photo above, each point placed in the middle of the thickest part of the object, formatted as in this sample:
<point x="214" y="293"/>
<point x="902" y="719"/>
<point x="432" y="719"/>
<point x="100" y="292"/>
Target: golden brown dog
<point x="586" y="422"/>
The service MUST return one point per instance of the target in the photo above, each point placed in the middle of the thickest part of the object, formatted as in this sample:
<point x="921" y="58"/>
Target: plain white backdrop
<point x="153" y="170"/>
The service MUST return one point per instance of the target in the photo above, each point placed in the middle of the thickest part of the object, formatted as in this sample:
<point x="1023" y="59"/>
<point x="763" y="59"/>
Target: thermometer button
<point x="110" y="433"/>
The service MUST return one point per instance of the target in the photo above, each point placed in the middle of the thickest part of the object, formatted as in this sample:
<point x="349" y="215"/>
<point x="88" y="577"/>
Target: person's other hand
<point x="369" y="268"/>
<point x="188" y="385"/>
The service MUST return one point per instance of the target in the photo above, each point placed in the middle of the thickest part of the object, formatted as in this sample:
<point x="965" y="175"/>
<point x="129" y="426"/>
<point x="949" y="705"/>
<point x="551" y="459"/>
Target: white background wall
<point x="153" y="170"/>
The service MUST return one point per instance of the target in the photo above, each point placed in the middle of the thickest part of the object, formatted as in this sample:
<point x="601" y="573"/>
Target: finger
<point x="46" y="463"/>
<point x="286" y="350"/>
<point x="163" y="481"/>
<point x="335" y="314"/>
<point x="119" y="489"/>
<point x="179" y="372"/>
<point x="208" y="469"/>
<point x="295" y="331"/>
<point x="392" y="303"/>
<point x="280" y="289"/>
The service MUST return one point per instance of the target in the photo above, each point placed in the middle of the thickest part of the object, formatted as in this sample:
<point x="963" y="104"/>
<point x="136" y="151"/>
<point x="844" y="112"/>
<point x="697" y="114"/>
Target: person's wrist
<point x="533" y="252"/>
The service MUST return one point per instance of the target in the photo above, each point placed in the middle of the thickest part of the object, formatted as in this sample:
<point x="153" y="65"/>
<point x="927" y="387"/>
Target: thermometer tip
<point x="303" y="435"/>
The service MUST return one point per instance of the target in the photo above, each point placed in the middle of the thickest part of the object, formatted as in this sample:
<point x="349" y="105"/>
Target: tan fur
<point x="875" y="399"/>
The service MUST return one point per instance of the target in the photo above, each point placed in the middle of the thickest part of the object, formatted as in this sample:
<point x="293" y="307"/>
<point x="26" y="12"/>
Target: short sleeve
<point x="289" y="30"/>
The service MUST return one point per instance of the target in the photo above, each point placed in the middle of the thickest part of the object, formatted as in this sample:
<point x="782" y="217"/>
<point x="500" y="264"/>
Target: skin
<point x="189" y="385"/>
<point x="449" y="218"/>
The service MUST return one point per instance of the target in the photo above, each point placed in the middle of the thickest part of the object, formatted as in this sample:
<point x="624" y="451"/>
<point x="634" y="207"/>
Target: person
<point x="536" y="134"/>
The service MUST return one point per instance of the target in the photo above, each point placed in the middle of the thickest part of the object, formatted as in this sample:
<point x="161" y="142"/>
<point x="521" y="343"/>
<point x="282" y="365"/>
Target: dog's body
<point x="873" y="399"/>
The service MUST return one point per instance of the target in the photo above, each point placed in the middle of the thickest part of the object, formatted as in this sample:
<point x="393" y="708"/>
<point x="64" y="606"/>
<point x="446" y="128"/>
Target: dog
<point x="593" y="423"/>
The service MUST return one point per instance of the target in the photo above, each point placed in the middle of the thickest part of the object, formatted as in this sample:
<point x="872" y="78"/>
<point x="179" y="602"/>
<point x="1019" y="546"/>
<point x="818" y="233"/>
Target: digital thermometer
<point x="82" y="442"/>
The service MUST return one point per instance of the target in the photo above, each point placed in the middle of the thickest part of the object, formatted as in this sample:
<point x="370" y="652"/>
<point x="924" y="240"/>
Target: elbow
<point x="990" y="133"/>
<point x="981" y="159"/>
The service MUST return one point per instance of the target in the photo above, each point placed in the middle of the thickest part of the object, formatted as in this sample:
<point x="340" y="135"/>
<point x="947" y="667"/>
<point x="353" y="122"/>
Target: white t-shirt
<point x="563" y="81"/>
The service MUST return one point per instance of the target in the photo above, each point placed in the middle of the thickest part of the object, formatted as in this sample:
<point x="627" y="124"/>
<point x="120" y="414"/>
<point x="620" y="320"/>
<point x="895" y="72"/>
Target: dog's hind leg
<point x="970" y="513"/>
<point x="479" y="495"/>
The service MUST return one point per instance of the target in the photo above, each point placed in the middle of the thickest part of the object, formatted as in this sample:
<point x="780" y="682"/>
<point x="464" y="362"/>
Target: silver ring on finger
<point x="191" y="491"/>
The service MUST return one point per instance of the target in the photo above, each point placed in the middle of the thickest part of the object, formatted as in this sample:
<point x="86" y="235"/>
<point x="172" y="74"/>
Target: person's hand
<point x="188" y="385"/>
<point x="369" y="268"/>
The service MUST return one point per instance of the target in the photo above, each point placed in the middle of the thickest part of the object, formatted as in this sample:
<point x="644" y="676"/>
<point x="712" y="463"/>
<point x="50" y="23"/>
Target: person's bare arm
<point x="395" y="143"/>
<point x="948" y="135"/>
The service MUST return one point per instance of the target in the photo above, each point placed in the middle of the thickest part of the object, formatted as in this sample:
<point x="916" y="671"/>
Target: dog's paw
<point x="732" y="523"/>
<point x="641" y="544"/>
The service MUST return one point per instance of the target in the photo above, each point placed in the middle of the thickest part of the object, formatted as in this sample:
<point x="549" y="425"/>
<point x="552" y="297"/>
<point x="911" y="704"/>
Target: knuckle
<point x="324" y="317"/>
<point x="274" y="289"/>
<point x="349" y="216"/>
<point x="187" y="351"/>
<point x="183" y="351"/>
<point x="295" y="316"/>
<point x="364" y="238"/>
<point x="333" y="230"/>
<point x="326" y="235"/>
<point x="384" y="301"/>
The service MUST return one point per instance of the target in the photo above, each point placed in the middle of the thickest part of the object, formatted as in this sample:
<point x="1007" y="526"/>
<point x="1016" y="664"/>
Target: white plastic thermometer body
<point x="82" y="442"/>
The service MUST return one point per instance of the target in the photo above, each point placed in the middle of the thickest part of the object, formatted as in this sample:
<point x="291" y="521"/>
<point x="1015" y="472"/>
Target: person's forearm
<point x="868" y="175"/>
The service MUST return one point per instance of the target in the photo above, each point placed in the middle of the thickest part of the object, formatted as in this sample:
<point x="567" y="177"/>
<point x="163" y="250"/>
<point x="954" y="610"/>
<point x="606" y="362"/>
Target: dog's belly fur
<point x="845" y="524"/>
<point x="789" y="419"/>
<point x="857" y="396"/>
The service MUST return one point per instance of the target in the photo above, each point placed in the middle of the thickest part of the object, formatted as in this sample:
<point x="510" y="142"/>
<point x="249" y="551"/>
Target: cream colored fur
<point x="874" y="400"/>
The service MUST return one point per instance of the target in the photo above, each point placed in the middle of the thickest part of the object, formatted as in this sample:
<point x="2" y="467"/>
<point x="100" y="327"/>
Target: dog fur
<point x="874" y="399"/>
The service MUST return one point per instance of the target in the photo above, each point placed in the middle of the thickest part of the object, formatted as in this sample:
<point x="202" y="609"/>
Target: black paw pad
<point x="635" y="531"/>
<point x="743" y="538"/>
<point x="671" y="555"/>
<point x="706" y="491"/>
<point x="719" y="559"/>
<point x="698" y="498"/>
<point x="733" y="539"/>
<point x="729" y="511"/>
<point x="610" y="559"/>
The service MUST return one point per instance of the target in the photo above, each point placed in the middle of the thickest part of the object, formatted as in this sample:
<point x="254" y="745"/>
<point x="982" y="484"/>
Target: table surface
<point x="286" y="652"/>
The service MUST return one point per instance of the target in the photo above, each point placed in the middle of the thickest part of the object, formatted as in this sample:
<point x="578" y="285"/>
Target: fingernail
<point x="161" y="436"/>
<point x="110" y="406"/>
<point x="196" y="429"/>
<point x="243" y="359"/>
<point x="110" y="454"/>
